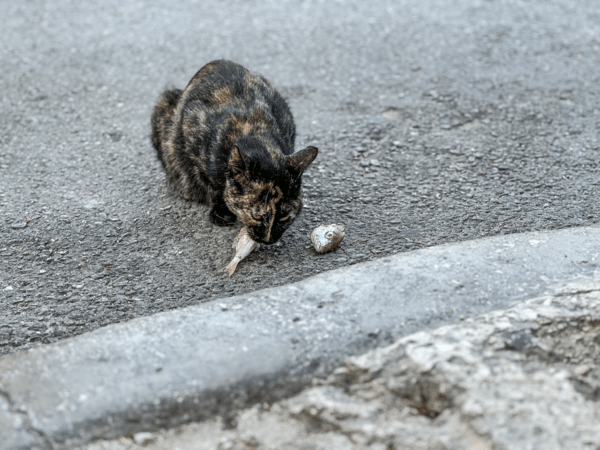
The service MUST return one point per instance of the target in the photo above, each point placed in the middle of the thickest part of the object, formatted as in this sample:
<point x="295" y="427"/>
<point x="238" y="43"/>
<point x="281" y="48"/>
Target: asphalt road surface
<point x="436" y="122"/>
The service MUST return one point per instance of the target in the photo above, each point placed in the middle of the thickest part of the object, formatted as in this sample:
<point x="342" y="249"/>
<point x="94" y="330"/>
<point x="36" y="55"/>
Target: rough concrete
<point x="213" y="359"/>
<point x="523" y="378"/>
<point x="15" y="430"/>
<point x="436" y="122"/>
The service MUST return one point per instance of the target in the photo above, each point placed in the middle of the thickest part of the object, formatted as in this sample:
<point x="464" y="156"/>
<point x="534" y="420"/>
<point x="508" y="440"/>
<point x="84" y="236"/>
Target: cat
<point x="227" y="140"/>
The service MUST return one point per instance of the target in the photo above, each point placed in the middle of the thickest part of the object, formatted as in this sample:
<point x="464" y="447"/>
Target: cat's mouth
<point x="262" y="241"/>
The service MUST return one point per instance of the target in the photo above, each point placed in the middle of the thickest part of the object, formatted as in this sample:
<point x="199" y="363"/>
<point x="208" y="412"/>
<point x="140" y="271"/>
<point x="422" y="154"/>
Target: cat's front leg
<point x="221" y="215"/>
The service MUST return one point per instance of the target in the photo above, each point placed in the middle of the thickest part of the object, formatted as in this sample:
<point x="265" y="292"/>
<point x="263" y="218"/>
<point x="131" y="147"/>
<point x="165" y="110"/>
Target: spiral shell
<point x="327" y="237"/>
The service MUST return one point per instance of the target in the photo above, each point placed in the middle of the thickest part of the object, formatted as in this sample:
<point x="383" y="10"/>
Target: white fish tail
<point x="230" y="268"/>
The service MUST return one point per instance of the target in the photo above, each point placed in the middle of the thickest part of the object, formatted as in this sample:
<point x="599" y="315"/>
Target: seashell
<point x="327" y="237"/>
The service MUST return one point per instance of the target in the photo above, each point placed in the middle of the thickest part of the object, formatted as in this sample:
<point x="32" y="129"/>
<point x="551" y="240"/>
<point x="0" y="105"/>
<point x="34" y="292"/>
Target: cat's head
<point x="264" y="191"/>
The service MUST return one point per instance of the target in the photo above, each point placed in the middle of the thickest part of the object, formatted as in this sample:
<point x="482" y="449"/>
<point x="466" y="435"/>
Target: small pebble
<point x="582" y="371"/>
<point x="143" y="438"/>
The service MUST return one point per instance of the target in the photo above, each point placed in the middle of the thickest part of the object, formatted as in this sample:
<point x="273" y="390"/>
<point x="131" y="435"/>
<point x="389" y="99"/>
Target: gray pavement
<point x="436" y="123"/>
<point x="214" y="359"/>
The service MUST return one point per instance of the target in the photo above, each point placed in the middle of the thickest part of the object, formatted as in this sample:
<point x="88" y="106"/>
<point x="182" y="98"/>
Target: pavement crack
<point x="27" y="421"/>
<point x="579" y="292"/>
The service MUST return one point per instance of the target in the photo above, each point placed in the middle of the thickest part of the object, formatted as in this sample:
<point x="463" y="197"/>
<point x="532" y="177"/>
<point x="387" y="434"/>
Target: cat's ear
<point x="299" y="161"/>
<point x="239" y="162"/>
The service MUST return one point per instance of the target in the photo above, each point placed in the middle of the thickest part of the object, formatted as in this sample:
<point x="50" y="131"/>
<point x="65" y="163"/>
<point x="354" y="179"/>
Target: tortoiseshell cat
<point x="227" y="140"/>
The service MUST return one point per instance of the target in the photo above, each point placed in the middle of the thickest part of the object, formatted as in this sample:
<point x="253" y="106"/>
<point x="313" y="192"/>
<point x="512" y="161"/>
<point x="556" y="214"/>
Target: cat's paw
<point x="222" y="218"/>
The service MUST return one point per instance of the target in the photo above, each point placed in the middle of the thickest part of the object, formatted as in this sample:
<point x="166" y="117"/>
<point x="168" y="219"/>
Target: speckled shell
<point x="327" y="237"/>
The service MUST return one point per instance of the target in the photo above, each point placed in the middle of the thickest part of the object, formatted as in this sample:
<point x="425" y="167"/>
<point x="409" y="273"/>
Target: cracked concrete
<point x="527" y="377"/>
<point x="16" y="430"/>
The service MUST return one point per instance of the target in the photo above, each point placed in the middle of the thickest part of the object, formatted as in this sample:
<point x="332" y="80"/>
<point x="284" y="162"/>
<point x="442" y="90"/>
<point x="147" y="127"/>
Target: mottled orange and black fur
<point x="227" y="140"/>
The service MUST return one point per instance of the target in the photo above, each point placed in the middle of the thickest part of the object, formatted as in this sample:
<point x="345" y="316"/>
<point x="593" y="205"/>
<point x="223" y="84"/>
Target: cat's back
<point x="217" y="83"/>
<point x="223" y="91"/>
<point x="221" y="84"/>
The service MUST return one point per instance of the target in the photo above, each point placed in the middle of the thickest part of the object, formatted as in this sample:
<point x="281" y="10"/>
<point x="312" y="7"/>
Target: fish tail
<point x="230" y="268"/>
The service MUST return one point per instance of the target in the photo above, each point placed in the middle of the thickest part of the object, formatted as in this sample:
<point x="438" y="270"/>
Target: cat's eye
<point x="257" y="213"/>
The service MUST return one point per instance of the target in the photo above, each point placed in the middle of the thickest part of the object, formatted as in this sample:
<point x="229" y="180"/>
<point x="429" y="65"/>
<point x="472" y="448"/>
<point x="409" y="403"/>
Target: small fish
<point x="244" y="245"/>
<point x="327" y="237"/>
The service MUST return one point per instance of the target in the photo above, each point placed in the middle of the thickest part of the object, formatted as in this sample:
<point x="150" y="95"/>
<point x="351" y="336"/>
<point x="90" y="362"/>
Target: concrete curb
<point x="194" y="363"/>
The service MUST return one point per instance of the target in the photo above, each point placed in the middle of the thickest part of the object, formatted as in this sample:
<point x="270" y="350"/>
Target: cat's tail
<point x="162" y="120"/>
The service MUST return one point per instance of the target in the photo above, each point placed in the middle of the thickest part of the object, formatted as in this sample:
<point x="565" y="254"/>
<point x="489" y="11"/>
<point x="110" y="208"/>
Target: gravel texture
<point x="523" y="378"/>
<point x="435" y="124"/>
